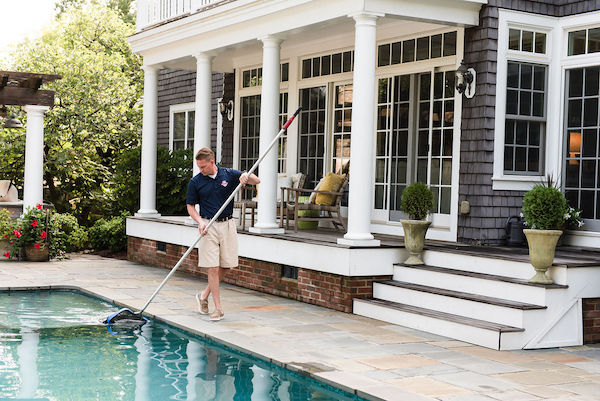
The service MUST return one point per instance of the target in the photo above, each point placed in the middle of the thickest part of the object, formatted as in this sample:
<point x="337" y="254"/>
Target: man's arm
<point x="191" y="209"/>
<point x="249" y="179"/>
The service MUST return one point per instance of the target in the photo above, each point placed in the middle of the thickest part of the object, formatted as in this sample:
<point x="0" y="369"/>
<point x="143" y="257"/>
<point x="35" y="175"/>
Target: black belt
<point x="219" y="219"/>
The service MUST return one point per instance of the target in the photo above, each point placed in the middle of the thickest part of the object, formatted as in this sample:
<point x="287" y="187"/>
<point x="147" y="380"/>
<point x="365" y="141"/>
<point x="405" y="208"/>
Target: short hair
<point x="205" y="154"/>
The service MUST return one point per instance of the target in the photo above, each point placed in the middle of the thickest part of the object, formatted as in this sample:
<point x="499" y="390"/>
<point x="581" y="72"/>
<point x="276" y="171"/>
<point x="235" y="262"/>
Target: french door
<point x="414" y="138"/>
<point x="582" y="155"/>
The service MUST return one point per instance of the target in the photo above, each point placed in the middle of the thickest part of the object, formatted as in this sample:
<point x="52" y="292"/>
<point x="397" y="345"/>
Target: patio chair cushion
<point x="332" y="183"/>
<point x="295" y="180"/>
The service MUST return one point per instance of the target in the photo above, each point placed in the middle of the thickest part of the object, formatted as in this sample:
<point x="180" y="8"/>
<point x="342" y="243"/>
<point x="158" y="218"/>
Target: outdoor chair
<point x="326" y="203"/>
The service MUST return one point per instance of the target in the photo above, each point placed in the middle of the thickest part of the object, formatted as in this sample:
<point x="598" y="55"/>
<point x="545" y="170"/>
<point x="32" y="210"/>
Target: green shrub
<point x="417" y="200"/>
<point x="173" y="172"/>
<point x="544" y="208"/>
<point x="109" y="234"/>
<point x="72" y="236"/>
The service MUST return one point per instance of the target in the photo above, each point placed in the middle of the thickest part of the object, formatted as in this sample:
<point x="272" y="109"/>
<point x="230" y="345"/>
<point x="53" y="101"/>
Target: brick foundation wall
<point x="591" y="320"/>
<point x="318" y="288"/>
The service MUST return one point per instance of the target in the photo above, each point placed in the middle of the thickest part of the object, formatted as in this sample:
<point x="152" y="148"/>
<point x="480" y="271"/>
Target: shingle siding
<point x="178" y="87"/>
<point x="490" y="209"/>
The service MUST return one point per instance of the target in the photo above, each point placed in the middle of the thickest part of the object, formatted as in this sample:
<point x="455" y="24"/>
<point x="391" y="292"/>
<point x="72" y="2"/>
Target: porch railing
<point x="150" y="12"/>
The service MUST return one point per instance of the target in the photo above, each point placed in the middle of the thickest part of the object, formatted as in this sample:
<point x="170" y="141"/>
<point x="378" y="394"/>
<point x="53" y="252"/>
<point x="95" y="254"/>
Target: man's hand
<point x="244" y="179"/>
<point x="201" y="226"/>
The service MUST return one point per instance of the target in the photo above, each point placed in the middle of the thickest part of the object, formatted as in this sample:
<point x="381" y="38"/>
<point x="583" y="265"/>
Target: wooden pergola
<point x="23" y="89"/>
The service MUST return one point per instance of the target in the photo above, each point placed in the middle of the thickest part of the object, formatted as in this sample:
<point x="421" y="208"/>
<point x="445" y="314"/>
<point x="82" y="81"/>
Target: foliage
<point x="71" y="235"/>
<point x="545" y="208"/>
<point x="573" y="218"/>
<point x="417" y="200"/>
<point x="6" y="223"/>
<point x="109" y="234"/>
<point x="98" y="111"/>
<point x="124" y="8"/>
<point x="173" y="172"/>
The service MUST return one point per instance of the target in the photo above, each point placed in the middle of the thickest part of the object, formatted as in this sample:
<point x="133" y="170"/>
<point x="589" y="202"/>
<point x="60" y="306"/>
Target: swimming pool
<point x="52" y="347"/>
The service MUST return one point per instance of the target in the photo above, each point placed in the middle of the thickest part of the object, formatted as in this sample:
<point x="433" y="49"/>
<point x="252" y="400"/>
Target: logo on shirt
<point x="224" y="183"/>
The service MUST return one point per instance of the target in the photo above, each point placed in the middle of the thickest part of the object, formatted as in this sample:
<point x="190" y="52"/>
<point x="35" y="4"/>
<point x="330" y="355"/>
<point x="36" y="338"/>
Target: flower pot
<point x="542" y="244"/>
<point x="41" y="254"/>
<point x="414" y="239"/>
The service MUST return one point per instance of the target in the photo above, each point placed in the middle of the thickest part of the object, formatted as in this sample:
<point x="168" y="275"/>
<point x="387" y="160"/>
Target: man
<point x="218" y="249"/>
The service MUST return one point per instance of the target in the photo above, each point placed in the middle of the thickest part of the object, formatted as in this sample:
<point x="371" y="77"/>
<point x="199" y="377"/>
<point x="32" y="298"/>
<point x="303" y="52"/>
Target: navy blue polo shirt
<point x="211" y="193"/>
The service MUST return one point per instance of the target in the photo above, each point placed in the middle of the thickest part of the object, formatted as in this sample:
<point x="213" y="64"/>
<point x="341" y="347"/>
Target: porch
<point x="471" y="293"/>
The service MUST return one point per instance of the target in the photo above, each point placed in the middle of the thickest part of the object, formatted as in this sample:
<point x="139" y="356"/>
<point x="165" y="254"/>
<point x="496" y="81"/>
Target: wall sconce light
<point x="226" y="109"/>
<point x="13" y="122"/>
<point x="465" y="81"/>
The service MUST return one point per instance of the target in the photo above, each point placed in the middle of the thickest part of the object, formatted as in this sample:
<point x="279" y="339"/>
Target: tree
<point x="124" y="8"/>
<point x="98" y="110"/>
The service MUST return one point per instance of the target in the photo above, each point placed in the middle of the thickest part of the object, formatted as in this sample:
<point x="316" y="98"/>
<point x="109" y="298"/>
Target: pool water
<point x="52" y="347"/>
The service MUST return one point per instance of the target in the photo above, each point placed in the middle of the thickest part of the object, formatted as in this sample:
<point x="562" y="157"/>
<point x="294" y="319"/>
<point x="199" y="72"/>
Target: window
<point x="527" y="41"/>
<point x="253" y="76"/>
<point x="249" y="136"/>
<point x="584" y="41"/>
<point x="525" y="118"/>
<point x="311" y="146"/>
<point x="182" y="126"/>
<point x="342" y="125"/>
<point x="282" y="151"/>
<point x="423" y="48"/>
<point x="329" y="64"/>
<point x="582" y="156"/>
<point x="526" y="121"/>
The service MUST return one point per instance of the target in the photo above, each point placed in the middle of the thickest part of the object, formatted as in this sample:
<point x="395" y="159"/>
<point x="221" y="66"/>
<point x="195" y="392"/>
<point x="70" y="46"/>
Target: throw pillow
<point x="282" y="181"/>
<point x="331" y="183"/>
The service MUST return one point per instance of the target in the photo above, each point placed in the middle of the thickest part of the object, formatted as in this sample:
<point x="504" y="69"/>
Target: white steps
<point x="484" y="301"/>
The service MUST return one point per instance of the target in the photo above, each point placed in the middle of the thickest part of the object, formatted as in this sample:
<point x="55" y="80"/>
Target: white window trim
<point x="178" y="108"/>
<point x="551" y="150"/>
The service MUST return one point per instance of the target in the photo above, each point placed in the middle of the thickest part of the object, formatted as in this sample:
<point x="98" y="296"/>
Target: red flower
<point x="39" y="206"/>
<point x="6" y="254"/>
<point x="16" y="233"/>
<point x="43" y="235"/>
<point x="37" y="246"/>
<point x="34" y="224"/>
<point x="6" y="236"/>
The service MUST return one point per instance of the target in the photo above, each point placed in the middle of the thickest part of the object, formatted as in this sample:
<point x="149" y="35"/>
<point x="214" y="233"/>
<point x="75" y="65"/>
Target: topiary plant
<point x="417" y="200"/>
<point x="544" y="208"/>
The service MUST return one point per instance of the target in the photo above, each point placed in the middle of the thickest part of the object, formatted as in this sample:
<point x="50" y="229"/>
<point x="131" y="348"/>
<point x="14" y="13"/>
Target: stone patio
<point x="374" y="359"/>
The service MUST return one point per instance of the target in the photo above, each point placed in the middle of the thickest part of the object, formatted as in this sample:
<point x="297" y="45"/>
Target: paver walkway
<point x="355" y="353"/>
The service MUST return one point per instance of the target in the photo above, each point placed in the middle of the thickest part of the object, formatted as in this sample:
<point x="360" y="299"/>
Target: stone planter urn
<point x="542" y="244"/>
<point x="37" y="255"/>
<point x="414" y="239"/>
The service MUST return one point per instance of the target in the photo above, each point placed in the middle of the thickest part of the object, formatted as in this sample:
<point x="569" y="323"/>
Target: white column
<point x="363" y="128"/>
<point x="33" y="190"/>
<point x="269" y="127"/>
<point x="148" y="173"/>
<point x="203" y="104"/>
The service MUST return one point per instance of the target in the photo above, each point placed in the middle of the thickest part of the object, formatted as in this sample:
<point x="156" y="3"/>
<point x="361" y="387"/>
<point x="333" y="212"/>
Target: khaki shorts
<point x="219" y="247"/>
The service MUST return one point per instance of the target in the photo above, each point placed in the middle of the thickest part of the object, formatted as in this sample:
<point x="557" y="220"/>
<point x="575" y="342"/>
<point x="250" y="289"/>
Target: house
<point x="479" y="99"/>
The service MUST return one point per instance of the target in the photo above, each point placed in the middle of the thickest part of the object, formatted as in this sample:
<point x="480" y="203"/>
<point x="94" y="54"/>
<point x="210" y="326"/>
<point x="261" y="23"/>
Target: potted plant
<point x="6" y="224"/>
<point x="545" y="210"/>
<point x="417" y="201"/>
<point x="35" y="233"/>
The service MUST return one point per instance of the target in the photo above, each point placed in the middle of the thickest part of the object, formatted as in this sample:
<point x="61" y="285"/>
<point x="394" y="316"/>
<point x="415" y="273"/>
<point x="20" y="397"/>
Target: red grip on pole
<point x="288" y="122"/>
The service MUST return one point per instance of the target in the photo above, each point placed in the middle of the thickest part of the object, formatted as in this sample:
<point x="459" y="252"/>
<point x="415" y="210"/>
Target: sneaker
<point x="202" y="305"/>
<point x="217" y="315"/>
